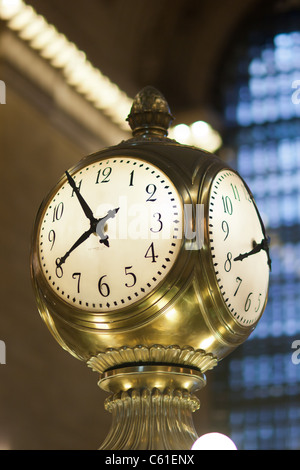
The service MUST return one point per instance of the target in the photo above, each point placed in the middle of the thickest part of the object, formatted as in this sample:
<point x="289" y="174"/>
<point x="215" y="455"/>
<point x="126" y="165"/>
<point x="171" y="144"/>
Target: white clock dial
<point x="238" y="247"/>
<point x="111" y="241"/>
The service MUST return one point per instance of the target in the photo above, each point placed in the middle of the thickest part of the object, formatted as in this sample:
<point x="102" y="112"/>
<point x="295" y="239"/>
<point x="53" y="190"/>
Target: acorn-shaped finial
<point x="150" y="113"/>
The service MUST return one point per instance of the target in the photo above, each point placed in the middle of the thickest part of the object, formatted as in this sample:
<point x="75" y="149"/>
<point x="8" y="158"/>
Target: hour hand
<point x="80" y="240"/>
<point x="86" y="209"/>
<point x="263" y="245"/>
<point x="100" y="225"/>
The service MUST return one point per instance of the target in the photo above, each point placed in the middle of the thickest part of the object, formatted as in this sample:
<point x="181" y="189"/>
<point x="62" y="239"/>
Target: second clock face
<point x="111" y="240"/>
<point x="238" y="248"/>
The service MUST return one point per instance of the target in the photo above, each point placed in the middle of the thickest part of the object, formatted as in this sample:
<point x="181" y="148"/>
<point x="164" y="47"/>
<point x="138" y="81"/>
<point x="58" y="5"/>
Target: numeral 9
<point x="51" y="238"/>
<point x="225" y="228"/>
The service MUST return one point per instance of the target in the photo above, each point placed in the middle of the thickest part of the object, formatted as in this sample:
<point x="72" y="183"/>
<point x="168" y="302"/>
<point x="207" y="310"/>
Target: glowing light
<point x="214" y="441"/>
<point x="198" y="134"/>
<point x="55" y="47"/>
<point x="44" y="37"/>
<point x="200" y="129"/>
<point x="61" y="53"/>
<point x="182" y="133"/>
<point x="86" y="79"/>
<point x="35" y="26"/>
<point x="8" y="8"/>
<point x="22" y="18"/>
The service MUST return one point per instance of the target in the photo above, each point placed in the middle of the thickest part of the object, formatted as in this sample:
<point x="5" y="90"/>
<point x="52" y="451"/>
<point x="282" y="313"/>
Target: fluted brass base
<point x="151" y="407"/>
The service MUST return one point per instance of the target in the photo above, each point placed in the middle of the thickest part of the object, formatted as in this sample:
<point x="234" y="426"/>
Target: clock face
<point x="110" y="234"/>
<point x="238" y="248"/>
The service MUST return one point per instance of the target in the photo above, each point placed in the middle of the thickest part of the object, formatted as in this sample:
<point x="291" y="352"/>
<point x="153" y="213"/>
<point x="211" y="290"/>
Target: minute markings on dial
<point x="116" y="303"/>
<point x="225" y="211"/>
<point x="167" y="255"/>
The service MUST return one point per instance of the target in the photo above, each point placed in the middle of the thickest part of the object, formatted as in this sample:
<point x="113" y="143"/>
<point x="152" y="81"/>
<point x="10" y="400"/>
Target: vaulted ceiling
<point x="48" y="399"/>
<point x="174" y="45"/>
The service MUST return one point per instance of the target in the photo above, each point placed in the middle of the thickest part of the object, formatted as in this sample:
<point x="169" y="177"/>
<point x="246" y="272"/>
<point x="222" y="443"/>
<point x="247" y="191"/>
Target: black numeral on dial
<point x="105" y="175"/>
<point x="51" y="238"/>
<point x="159" y="227"/>
<point x="58" y="269"/>
<point x="78" y="276"/>
<point x="225" y="228"/>
<point x="227" y="264"/>
<point x="58" y="212"/>
<point x="239" y="281"/>
<point x="151" y="254"/>
<point x="133" y="279"/>
<point x="151" y="190"/>
<point x="103" y="287"/>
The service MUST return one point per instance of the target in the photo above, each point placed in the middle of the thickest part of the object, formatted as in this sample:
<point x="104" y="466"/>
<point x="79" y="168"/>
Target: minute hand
<point x="263" y="245"/>
<point x="86" y="209"/>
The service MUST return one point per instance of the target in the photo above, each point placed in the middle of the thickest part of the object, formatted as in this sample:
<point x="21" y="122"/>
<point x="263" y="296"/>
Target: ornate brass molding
<point x="157" y="353"/>
<point x="160" y="419"/>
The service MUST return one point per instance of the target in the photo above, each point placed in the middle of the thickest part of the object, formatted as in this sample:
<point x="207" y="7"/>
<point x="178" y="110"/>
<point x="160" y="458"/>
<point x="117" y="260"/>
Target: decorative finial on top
<point x="150" y="113"/>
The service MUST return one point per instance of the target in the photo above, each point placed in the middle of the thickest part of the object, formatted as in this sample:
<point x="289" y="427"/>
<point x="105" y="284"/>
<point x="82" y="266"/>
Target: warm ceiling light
<point x="34" y="27"/>
<point x="86" y="79"/>
<point x="22" y="18"/>
<point x="198" y="134"/>
<point x="63" y="54"/>
<point x="44" y="37"/>
<point x="8" y="8"/>
<point x="181" y="133"/>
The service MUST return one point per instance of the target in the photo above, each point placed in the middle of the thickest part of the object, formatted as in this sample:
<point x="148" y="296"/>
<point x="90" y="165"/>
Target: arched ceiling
<point x="174" y="45"/>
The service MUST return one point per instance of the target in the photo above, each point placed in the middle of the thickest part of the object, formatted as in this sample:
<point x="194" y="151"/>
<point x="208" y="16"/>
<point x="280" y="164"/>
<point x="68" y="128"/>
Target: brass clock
<point x="110" y="233"/>
<point x="149" y="294"/>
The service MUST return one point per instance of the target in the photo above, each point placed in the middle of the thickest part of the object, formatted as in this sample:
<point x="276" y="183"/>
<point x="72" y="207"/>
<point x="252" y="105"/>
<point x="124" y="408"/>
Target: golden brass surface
<point x="187" y="306"/>
<point x="150" y="113"/>
<point x="151" y="419"/>
<point x="151" y="376"/>
<point x="182" y="325"/>
<point x="187" y="357"/>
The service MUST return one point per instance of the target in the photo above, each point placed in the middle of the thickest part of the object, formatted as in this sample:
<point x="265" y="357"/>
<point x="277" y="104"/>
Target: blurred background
<point x="230" y="71"/>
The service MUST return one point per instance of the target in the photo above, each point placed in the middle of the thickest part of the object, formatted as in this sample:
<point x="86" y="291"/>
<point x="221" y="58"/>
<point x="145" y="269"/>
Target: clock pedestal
<point x="151" y="407"/>
<point x="151" y="319"/>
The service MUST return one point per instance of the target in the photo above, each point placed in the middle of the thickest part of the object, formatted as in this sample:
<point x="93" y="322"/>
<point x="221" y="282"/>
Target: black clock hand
<point x="267" y="239"/>
<point x="96" y="226"/>
<point x="263" y="245"/>
<point x="100" y="225"/>
<point x="80" y="240"/>
<point x="86" y="209"/>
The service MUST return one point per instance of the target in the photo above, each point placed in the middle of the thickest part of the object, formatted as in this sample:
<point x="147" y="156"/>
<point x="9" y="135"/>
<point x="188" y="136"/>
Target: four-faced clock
<point x="120" y="287"/>
<point x="239" y="248"/>
<point x="110" y="233"/>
